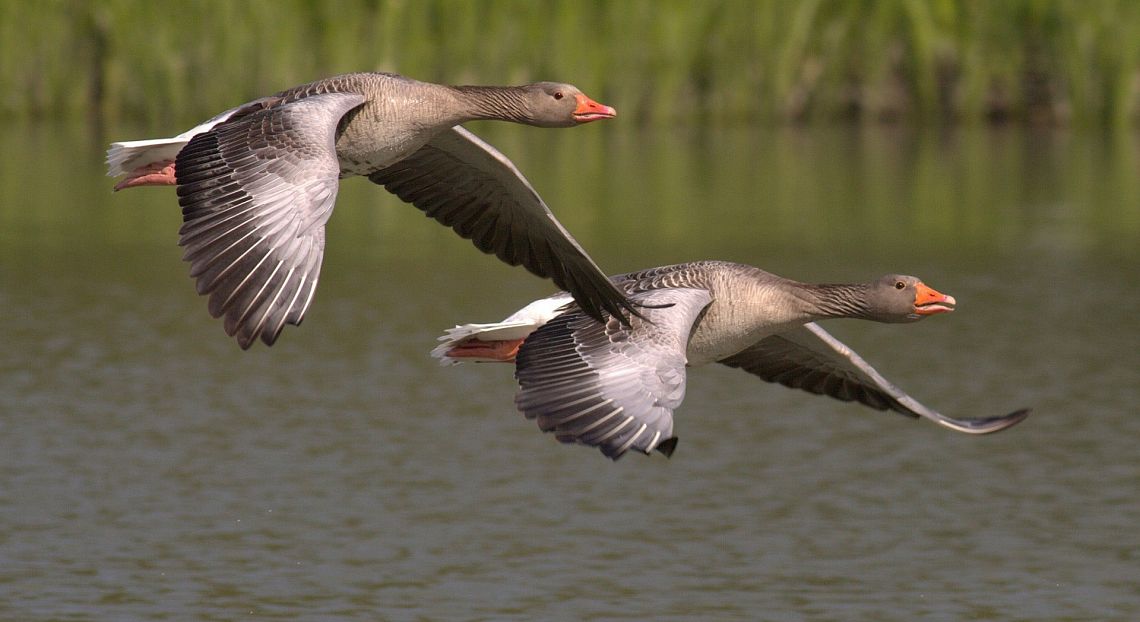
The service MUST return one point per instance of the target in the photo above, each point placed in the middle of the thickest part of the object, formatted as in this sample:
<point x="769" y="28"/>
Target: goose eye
<point x="900" y="285"/>
<point x="558" y="95"/>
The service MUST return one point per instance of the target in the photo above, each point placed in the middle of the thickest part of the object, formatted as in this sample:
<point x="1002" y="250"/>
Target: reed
<point x="659" y="61"/>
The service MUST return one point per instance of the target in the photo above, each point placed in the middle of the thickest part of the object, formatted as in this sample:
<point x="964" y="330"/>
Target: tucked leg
<point x="497" y="351"/>
<point x="153" y="174"/>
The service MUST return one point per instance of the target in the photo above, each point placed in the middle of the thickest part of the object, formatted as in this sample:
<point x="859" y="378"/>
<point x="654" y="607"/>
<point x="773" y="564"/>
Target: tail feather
<point x="124" y="157"/>
<point x="519" y="325"/>
<point x="499" y="331"/>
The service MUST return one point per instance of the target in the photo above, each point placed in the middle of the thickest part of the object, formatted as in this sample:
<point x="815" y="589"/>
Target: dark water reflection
<point x="149" y="469"/>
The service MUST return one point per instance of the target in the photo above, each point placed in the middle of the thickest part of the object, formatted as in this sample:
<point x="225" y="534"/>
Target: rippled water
<point x="149" y="469"/>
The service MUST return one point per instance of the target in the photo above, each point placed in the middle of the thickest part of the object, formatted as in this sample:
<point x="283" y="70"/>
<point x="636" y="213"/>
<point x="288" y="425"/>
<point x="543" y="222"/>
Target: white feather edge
<point x="126" y="156"/>
<point x="518" y="325"/>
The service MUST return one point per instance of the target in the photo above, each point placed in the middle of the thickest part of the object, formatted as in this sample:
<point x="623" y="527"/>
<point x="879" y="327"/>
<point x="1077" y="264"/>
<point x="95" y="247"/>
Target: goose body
<point x="615" y="387"/>
<point x="257" y="184"/>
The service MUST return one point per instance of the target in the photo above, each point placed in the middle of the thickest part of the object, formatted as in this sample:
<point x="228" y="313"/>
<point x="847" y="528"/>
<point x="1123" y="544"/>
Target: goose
<point x="615" y="387"/>
<point x="257" y="184"/>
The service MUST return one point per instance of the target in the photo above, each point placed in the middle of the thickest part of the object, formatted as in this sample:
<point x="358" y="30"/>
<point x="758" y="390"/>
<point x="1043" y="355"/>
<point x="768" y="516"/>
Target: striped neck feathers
<point x="837" y="300"/>
<point x="501" y="103"/>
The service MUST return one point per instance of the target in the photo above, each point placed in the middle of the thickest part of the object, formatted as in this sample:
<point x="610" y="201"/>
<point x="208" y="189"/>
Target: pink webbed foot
<point x="498" y="351"/>
<point x="154" y="174"/>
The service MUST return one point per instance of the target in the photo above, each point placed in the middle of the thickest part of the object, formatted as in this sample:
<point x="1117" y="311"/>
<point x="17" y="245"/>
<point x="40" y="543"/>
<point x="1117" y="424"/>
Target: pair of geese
<point x="601" y="364"/>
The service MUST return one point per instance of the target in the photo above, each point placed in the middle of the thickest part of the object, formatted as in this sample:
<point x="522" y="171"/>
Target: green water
<point x="150" y="469"/>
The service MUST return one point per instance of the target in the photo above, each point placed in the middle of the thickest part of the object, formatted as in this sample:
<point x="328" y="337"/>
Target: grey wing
<point x="809" y="358"/>
<point x="467" y="185"/>
<point x="256" y="192"/>
<point x="607" y="385"/>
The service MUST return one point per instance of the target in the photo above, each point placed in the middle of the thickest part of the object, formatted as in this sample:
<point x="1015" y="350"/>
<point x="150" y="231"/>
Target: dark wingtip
<point x="667" y="446"/>
<point x="1010" y="420"/>
<point x="994" y="424"/>
<point x="629" y="307"/>
<point x="619" y="309"/>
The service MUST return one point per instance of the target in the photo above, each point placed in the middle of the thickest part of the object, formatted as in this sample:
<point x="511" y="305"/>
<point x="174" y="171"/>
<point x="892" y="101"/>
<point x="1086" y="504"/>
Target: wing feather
<point x="607" y="385"/>
<point x="811" y="359"/>
<point x="256" y="192"/>
<point x="504" y="215"/>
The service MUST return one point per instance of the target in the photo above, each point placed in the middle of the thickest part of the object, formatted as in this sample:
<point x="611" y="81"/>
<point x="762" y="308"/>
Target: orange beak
<point x="590" y="110"/>
<point x="928" y="301"/>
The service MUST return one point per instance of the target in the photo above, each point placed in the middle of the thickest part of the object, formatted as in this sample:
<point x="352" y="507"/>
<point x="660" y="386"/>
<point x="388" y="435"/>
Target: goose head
<point x="900" y="298"/>
<point x="554" y="104"/>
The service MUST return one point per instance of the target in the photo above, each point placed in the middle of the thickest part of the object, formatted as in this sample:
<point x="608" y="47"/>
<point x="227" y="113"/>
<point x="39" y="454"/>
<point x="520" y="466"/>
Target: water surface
<point x="150" y="469"/>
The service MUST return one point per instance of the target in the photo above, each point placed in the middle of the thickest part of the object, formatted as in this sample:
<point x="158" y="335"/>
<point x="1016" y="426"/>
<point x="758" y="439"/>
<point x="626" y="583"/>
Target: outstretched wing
<point x="809" y="358"/>
<point x="256" y="192"/>
<point x="607" y="385"/>
<point x="467" y="185"/>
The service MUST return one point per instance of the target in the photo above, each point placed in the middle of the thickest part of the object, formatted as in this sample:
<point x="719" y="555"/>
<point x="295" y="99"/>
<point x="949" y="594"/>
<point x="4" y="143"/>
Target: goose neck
<point x="836" y="300"/>
<point x="500" y="103"/>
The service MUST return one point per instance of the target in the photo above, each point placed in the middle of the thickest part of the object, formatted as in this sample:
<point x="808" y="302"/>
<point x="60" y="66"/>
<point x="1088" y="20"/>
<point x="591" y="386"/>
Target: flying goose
<point x="257" y="184"/>
<point x="615" y="387"/>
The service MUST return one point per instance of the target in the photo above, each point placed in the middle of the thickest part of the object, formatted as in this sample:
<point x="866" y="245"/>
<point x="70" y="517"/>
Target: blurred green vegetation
<point x="1068" y="62"/>
<point x="819" y="202"/>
